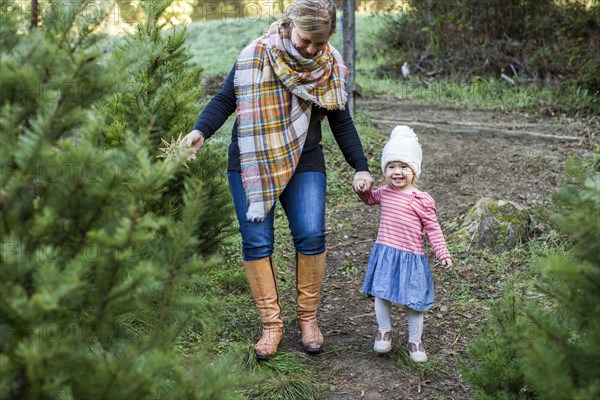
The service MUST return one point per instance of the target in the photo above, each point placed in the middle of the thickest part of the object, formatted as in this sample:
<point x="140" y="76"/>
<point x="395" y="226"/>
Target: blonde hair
<point x="312" y="16"/>
<point x="414" y="180"/>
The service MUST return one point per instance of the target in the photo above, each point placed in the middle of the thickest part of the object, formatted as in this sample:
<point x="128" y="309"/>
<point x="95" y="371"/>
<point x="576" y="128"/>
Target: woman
<point x="283" y="85"/>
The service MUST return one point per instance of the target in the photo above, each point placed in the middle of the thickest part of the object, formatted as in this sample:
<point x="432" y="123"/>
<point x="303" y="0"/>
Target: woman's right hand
<point x="195" y="139"/>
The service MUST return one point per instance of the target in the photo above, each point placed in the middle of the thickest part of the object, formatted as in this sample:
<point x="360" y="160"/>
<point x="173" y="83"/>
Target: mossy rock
<point x="496" y="225"/>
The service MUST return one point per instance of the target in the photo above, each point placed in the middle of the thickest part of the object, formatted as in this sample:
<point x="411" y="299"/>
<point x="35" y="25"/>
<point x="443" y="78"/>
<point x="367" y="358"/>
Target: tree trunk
<point x="35" y="10"/>
<point x="349" y="50"/>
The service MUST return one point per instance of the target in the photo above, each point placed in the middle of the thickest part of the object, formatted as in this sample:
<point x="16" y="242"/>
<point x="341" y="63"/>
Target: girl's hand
<point x="359" y="186"/>
<point x="447" y="262"/>
<point x="363" y="182"/>
<point x="194" y="139"/>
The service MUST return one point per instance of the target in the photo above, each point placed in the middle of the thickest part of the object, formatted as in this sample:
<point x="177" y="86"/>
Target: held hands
<point x="363" y="182"/>
<point x="194" y="139"/>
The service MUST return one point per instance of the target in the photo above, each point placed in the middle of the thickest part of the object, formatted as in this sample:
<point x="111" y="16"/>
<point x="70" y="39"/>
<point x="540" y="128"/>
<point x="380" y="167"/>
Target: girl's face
<point x="399" y="175"/>
<point x="308" y="44"/>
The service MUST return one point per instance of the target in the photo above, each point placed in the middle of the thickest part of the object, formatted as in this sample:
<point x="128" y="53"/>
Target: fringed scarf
<point x="275" y="88"/>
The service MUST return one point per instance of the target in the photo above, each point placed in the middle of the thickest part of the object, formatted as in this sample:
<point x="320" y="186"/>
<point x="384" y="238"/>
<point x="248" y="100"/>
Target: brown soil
<point x="458" y="169"/>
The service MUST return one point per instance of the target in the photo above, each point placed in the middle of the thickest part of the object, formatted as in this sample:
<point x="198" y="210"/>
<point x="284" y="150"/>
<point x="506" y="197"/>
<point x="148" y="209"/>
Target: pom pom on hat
<point x="403" y="146"/>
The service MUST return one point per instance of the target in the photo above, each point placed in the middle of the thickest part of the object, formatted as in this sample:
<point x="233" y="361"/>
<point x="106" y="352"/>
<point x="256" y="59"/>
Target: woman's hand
<point x="195" y="139"/>
<point x="363" y="182"/>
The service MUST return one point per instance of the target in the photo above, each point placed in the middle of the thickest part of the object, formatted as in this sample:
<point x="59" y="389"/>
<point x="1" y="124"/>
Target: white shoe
<point x="383" y="342"/>
<point x="417" y="352"/>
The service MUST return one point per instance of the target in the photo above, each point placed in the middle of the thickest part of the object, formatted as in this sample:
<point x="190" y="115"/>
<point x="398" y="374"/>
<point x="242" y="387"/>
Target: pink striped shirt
<point x="403" y="217"/>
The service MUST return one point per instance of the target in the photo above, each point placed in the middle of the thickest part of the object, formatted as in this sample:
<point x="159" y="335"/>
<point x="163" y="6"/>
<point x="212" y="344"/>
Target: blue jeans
<point x="303" y="201"/>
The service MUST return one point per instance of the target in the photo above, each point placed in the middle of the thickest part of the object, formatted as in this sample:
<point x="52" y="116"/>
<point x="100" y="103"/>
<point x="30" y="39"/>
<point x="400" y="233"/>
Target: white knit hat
<point x="403" y="146"/>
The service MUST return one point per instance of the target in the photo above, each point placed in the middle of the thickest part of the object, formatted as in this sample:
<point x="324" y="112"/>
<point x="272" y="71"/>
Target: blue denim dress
<point x="400" y="277"/>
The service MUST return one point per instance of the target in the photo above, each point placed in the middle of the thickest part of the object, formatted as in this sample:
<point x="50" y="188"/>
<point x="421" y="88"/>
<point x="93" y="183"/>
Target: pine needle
<point x="175" y="150"/>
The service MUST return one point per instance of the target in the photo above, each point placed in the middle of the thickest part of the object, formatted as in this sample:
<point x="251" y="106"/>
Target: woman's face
<point x="309" y="44"/>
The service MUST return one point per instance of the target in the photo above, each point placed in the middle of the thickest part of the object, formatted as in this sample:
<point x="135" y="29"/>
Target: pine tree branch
<point x="74" y="15"/>
<point x="185" y="233"/>
<point x="97" y="213"/>
<point x="108" y="299"/>
<point x="90" y="31"/>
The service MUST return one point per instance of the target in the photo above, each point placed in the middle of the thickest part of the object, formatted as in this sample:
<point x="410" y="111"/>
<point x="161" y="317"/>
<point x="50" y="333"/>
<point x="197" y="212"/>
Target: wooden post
<point x="349" y="50"/>
<point x="35" y="11"/>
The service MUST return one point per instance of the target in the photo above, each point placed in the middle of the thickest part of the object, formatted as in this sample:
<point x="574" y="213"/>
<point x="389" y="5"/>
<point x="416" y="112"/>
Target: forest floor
<point x="468" y="154"/>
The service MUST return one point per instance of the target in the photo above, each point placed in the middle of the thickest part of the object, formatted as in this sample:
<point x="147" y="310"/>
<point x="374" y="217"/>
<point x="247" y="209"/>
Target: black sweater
<point x="223" y="104"/>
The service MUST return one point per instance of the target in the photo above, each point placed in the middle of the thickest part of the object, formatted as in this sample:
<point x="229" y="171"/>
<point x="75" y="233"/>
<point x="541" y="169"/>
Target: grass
<point x="286" y="376"/>
<point x="425" y="370"/>
<point x="216" y="44"/>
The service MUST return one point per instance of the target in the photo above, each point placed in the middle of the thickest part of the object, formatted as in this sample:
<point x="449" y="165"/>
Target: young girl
<point x="398" y="271"/>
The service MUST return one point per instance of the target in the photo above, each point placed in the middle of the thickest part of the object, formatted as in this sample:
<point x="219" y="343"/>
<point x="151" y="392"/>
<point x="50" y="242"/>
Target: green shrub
<point x="498" y="374"/>
<point x="94" y="288"/>
<point x="158" y="100"/>
<point x="525" y="39"/>
<point x="545" y="344"/>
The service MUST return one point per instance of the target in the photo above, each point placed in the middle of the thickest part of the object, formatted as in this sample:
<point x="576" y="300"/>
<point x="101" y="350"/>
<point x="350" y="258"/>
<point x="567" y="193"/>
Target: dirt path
<point x="458" y="169"/>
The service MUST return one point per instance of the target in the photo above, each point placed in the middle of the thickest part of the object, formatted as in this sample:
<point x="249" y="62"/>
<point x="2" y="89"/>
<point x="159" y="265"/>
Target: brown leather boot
<point x="309" y="278"/>
<point x="263" y="284"/>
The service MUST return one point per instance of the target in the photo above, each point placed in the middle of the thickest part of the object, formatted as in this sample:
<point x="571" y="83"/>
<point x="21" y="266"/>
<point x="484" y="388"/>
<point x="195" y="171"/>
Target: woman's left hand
<point x="363" y="182"/>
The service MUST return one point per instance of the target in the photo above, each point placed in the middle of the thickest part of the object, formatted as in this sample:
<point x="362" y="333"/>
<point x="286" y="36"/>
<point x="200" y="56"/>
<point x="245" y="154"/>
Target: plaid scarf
<point x="275" y="89"/>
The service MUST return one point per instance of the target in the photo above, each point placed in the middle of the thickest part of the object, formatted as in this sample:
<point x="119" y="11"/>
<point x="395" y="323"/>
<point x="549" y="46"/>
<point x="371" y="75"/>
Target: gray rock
<point x="496" y="225"/>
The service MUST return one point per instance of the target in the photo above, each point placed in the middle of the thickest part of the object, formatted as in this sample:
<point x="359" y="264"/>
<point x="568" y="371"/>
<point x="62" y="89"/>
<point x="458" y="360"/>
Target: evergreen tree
<point x="549" y="347"/>
<point x="92" y="286"/>
<point x="498" y="374"/>
<point x="159" y="98"/>
<point x="563" y="360"/>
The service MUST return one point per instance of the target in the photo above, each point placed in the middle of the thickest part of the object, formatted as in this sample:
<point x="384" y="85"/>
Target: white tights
<point x="383" y="311"/>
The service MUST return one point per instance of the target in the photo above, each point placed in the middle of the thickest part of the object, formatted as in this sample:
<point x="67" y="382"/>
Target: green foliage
<point x="95" y="291"/>
<point x="426" y="371"/>
<point x="285" y="377"/>
<point x="158" y="100"/>
<point x="216" y="51"/>
<point x="546" y="346"/>
<point x="524" y="39"/>
<point x="498" y="374"/>
<point x="567" y="352"/>
<point x="348" y="268"/>
<point x="159" y="96"/>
